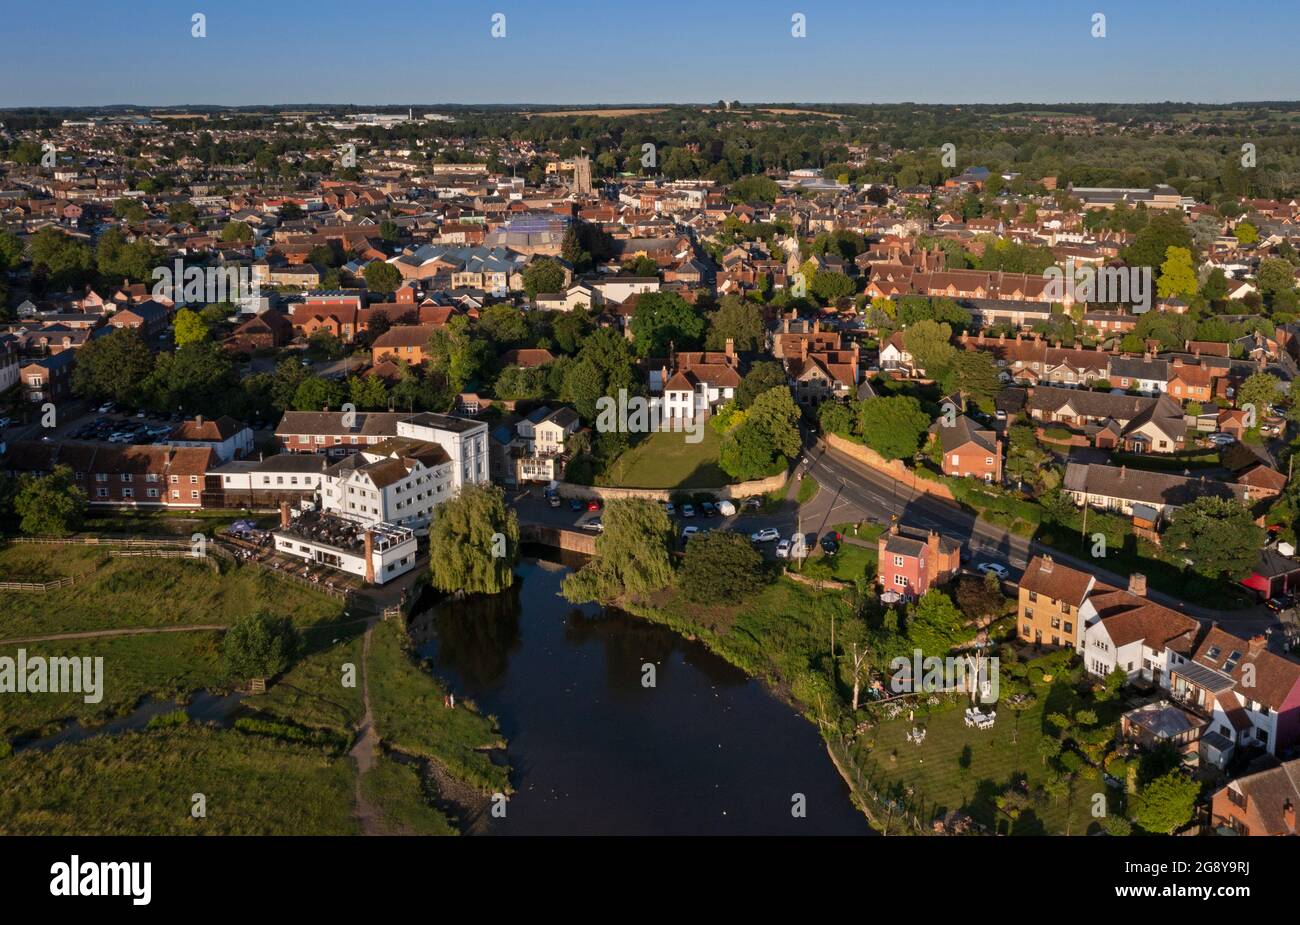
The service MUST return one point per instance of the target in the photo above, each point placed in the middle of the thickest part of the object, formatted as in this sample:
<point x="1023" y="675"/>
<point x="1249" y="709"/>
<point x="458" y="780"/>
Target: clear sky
<point x="99" y="52"/>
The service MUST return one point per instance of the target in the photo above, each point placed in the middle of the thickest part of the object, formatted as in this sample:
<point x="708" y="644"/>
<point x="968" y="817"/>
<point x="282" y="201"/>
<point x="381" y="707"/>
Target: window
<point x="898" y="561"/>
<point x="900" y="580"/>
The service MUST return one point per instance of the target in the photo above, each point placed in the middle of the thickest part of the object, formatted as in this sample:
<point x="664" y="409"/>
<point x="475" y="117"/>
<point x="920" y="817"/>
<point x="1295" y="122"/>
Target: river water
<point x="706" y="750"/>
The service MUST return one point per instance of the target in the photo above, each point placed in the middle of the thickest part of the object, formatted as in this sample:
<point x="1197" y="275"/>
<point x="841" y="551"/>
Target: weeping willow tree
<point x="474" y="542"/>
<point x="633" y="554"/>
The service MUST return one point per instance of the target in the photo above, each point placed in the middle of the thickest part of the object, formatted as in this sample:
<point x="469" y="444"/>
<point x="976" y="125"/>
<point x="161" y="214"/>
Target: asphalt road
<point x="858" y="488"/>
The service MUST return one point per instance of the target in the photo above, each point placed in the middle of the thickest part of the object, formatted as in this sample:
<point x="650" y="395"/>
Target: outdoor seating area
<point x="979" y="720"/>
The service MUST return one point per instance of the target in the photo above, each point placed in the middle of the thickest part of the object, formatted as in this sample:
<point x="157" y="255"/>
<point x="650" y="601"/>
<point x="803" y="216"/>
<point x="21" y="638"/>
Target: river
<point x="706" y="750"/>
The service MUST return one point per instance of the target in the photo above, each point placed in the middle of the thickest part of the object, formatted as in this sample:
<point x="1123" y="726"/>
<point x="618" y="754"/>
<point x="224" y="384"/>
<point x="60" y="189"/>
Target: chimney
<point x="817" y="326"/>
<point x="1256" y="644"/>
<point x="198" y="420"/>
<point x="370" y="563"/>
<point x="1178" y="361"/>
<point x="1288" y="816"/>
<point x="803" y="349"/>
<point x="730" y="348"/>
<point x="1137" y="584"/>
<point x="1045" y="565"/>
<point x="932" y="548"/>
<point x="284" y="514"/>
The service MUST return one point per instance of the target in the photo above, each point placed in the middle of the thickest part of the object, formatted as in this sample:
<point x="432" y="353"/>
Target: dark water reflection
<point x="705" y="751"/>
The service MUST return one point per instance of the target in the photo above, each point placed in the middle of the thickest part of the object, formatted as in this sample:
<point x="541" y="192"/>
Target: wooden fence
<point x="39" y="587"/>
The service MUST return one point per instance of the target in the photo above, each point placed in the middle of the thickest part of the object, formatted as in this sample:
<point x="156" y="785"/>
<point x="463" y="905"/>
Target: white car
<point x="1221" y="439"/>
<point x="783" y="549"/>
<point x="766" y="535"/>
<point x="594" y="525"/>
<point x="688" y="510"/>
<point x="993" y="568"/>
<point x="690" y="532"/>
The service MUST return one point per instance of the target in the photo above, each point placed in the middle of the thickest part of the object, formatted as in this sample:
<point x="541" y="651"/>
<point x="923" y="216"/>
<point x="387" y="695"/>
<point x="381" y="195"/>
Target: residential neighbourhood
<point x="421" y="470"/>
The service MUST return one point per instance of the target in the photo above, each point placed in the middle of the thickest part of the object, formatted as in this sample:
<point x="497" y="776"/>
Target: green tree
<point x="1151" y="245"/>
<point x="315" y="393"/>
<point x="930" y="344"/>
<point x="368" y="393"/>
<point x="259" y="645"/>
<point x="661" y="320"/>
<point x="188" y="328"/>
<point x="721" y="566"/>
<point x="1259" y="390"/>
<point x="545" y="275"/>
<point x="477" y="539"/>
<point x="504" y="324"/>
<point x="64" y="261"/>
<point x="1166" y="804"/>
<point x="1246" y="233"/>
<point x="1177" y="275"/>
<point x="1218" y="535"/>
<point x="736" y="319"/>
<point x="382" y="277"/>
<point x="236" y="232"/>
<point x="762" y="376"/>
<point x="893" y="426"/>
<point x="829" y="287"/>
<point x="49" y="505"/>
<point x="632" y="554"/>
<point x="113" y="367"/>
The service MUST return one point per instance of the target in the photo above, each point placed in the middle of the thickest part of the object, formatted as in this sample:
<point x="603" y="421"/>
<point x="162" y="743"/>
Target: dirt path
<point x="363" y="752"/>
<point x="135" y="631"/>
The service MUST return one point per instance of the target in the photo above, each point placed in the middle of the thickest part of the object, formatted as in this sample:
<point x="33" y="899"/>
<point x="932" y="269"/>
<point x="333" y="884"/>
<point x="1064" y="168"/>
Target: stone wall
<point x="734" y="492"/>
<point x="893" y="468"/>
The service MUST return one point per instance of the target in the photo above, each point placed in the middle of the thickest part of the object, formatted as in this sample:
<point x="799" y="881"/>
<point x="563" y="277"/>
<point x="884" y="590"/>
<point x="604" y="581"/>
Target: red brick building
<point x="913" y="561"/>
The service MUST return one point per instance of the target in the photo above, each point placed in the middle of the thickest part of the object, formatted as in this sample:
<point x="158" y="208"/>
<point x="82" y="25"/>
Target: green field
<point x="397" y="792"/>
<point x="135" y="592"/>
<point x="666" y="460"/>
<point x="143" y="783"/>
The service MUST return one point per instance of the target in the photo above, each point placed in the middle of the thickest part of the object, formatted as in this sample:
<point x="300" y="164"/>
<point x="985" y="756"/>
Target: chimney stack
<point x="370" y="562"/>
<point x="198" y="420"/>
<point x="1137" y="584"/>
<point x="284" y="514"/>
<point x="1257" y="643"/>
<point x="932" y="547"/>
<point x="1288" y="816"/>
<point x="731" y="348"/>
<point x="1045" y="566"/>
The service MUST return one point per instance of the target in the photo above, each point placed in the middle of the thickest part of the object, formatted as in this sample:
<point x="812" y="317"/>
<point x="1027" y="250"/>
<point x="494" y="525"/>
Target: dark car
<point x="575" y="504"/>
<point x="1280" y="603"/>
<point x="709" y="508"/>
<point x="553" y="499"/>
<point x="831" y="543"/>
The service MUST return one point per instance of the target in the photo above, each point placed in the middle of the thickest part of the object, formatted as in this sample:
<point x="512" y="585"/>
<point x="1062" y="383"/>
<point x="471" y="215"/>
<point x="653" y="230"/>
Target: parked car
<point x="831" y="543"/>
<point x="783" y="549"/>
<point x="671" y="509"/>
<point x="595" y="525"/>
<point x="106" y="408"/>
<point x="766" y="535"/>
<point x="593" y="505"/>
<point x="709" y="509"/>
<point x="5" y="422"/>
<point x="993" y="568"/>
<point x="575" y="504"/>
<point x="1221" y="439"/>
<point x="688" y="510"/>
<point x="1280" y="603"/>
<point x="553" y="499"/>
<point x="690" y="532"/>
<point x="726" y="508"/>
<point x="754" y="503"/>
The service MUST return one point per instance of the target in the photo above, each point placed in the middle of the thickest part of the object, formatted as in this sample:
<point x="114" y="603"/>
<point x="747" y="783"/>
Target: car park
<point x="766" y="535"/>
<point x="993" y="568"/>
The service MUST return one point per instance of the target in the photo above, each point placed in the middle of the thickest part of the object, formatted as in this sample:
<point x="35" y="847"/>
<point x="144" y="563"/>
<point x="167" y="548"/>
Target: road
<point x="860" y="492"/>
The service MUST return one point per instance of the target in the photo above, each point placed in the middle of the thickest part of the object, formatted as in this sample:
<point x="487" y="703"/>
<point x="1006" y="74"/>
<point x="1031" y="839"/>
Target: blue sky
<point x="98" y="52"/>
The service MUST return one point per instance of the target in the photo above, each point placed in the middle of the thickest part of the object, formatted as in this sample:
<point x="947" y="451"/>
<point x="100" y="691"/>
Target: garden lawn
<point x="666" y="460"/>
<point x="940" y="784"/>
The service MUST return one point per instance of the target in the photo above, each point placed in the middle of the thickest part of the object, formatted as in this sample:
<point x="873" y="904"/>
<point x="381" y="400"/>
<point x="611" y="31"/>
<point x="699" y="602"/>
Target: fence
<point x="38" y="586"/>
<point x="885" y="811"/>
